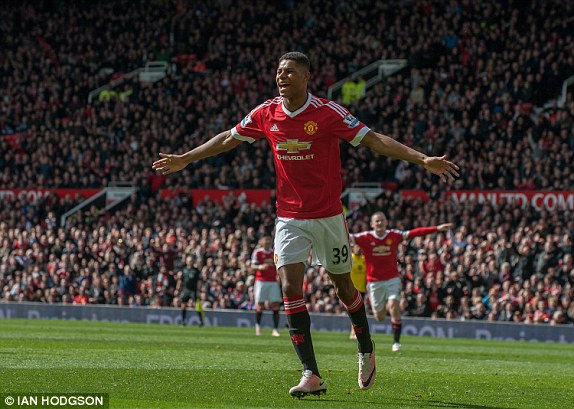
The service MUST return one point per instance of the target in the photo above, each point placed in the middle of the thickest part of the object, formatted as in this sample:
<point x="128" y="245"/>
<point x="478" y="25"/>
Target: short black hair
<point x="298" y="57"/>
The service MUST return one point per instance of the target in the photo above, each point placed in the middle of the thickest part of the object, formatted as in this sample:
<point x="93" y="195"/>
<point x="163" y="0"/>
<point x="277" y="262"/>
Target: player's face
<point x="379" y="223"/>
<point x="266" y="243"/>
<point x="291" y="79"/>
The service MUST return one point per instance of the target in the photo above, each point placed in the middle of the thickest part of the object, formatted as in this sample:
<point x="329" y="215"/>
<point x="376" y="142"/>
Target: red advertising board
<point x="257" y="196"/>
<point x="415" y="194"/>
<point x="538" y="200"/>
<point x="553" y="200"/>
<point x="32" y="195"/>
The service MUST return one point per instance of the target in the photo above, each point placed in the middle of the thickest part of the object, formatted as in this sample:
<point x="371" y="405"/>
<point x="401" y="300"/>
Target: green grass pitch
<point x="160" y="366"/>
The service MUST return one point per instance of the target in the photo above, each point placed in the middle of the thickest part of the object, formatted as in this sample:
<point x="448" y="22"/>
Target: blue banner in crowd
<point x="563" y="334"/>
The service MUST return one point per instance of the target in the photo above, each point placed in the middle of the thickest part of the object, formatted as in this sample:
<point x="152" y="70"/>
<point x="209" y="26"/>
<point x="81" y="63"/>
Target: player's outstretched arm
<point x="444" y="227"/>
<point x="170" y="163"/>
<point x="387" y="146"/>
<point x="424" y="231"/>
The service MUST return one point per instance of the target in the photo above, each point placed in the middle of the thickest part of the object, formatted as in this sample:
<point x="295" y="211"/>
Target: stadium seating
<point x="477" y="72"/>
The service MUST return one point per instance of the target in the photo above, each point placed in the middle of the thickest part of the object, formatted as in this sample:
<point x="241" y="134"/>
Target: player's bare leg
<point x="300" y="330"/>
<point x="396" y="321"/>
<point x="353" y="301"/>
<point x="381" y="315"/>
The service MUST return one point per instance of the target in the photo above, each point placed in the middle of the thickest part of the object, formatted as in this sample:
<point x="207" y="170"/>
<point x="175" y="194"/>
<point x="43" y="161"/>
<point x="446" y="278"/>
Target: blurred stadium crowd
<point x="477" y="71"/>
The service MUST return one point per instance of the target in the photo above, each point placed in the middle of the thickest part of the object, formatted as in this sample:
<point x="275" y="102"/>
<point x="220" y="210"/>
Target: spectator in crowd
<point x="474" y="87"/>
<point x="453" y="97"/>
<point x="54" y="260"/>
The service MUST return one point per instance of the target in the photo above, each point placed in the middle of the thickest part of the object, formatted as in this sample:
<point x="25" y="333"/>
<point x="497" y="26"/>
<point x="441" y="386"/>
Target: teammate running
<point x="383" y="279"/>
<point x="266" y="287"/>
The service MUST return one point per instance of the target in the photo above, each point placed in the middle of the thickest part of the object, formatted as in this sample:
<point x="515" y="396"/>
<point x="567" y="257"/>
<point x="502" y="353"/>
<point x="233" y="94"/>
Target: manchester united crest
<point x="310" y="127"/>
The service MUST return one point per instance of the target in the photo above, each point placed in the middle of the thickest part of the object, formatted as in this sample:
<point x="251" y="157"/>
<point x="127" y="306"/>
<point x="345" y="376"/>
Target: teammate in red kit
<point x="303" y="132"/>
<point x="266" y="286"/>
<point x="383" y="279"/>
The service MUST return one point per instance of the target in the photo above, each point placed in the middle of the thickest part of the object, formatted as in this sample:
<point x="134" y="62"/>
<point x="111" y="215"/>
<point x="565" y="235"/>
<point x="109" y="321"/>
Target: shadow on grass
<point x="327" y="400"/>
<point x="420" y="403"/>
<point x="441" y="404"/>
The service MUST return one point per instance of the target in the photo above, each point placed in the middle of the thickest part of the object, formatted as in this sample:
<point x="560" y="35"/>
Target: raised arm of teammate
<point x="387" y="146"/>
<point x="170" y="163"/>
<point x="423" y="231"/>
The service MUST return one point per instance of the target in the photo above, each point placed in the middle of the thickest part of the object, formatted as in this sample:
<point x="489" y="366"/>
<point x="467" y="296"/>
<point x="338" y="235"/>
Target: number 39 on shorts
<point x="340" y="255"/>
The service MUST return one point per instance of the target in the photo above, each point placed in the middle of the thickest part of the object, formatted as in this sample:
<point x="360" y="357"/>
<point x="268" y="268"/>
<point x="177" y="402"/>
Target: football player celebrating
<point x="303" y="132"/>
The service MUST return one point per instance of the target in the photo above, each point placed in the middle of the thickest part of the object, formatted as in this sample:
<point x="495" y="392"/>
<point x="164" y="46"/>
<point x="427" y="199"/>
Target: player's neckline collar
<point x="380" y="237"/>
<point x="295" y="113"/>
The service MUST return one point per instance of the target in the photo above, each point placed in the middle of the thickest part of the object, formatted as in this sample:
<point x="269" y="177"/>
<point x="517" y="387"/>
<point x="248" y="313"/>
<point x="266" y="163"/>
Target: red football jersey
<point x="260" y="256"/>
<point x="305" y="146"/>
<point x="381" y="252"/>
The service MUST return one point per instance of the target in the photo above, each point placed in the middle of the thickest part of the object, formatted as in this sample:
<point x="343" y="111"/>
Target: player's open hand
<point x="441" y="167"/>
<point x="444" y="227"/>
<point x="168" y="164"/>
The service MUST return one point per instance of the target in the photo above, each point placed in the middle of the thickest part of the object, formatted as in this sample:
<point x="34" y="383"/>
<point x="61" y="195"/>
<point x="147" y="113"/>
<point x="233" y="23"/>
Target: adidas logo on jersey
<point x="274" y="128"/>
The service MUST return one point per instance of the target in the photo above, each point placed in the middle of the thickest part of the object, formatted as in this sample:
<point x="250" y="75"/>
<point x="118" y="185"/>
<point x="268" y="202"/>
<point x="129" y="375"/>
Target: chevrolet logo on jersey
<point x="381" y="251"/>
<point x="293" y="146"/>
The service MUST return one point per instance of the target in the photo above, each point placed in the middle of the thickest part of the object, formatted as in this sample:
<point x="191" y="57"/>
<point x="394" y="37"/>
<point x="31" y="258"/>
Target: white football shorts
<point x="328" y="239"/>
<point x="267" y="291"/>
<point x="382" y="291"/>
